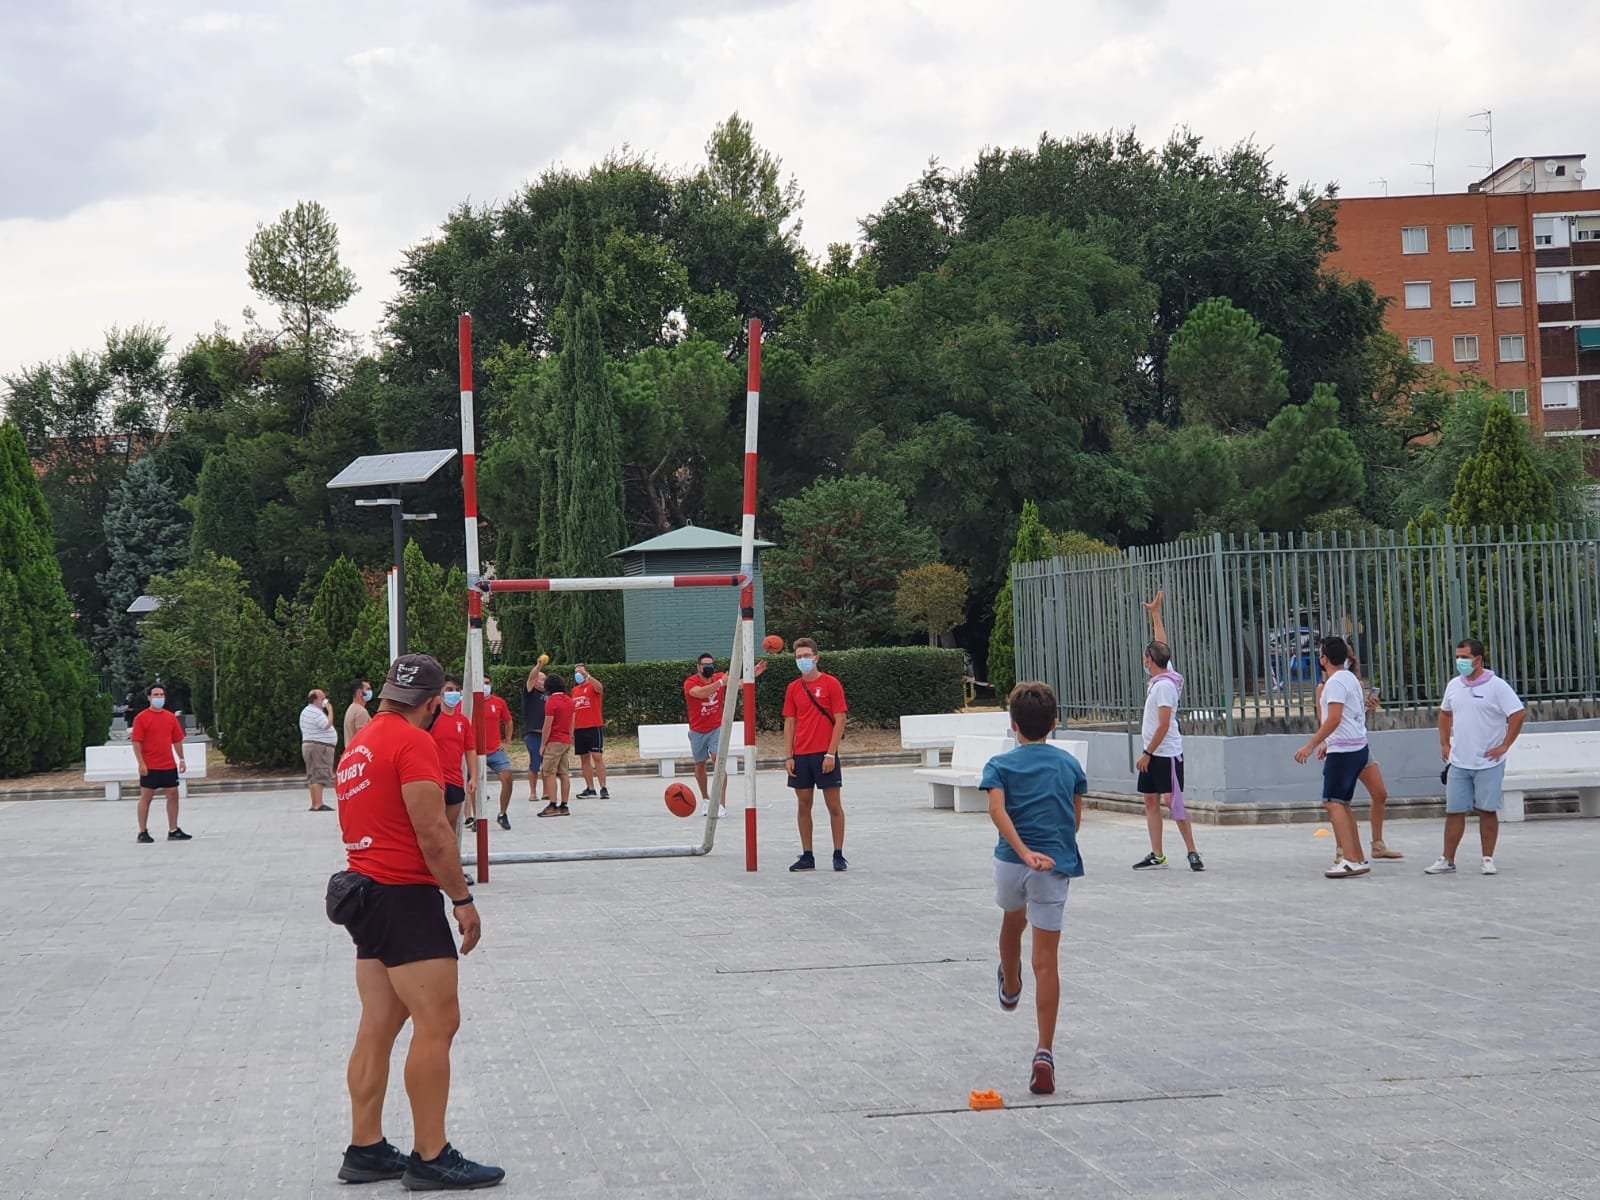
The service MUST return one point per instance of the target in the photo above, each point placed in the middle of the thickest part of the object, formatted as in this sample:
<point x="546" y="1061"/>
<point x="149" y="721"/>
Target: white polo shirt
<point x="1342" y="687"/>
<point x="1479" y="713"/>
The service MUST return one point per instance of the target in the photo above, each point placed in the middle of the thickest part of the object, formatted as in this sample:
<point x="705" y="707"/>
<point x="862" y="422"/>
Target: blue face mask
<point x="366" y="695"/>
<point x="1463" y="667"/>
<point x="158" y="701"/>
<point x="451" y="699"/>
<point x="579" y="677"/>
<point x="806" y="665"/>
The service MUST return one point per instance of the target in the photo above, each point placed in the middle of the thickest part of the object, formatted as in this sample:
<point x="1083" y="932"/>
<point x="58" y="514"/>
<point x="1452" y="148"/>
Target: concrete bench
<point x="666" y="744"/>
<point x="114" y="765"/>
<point x="957" y="786"/>
<point x="1546" y="762"/>
<point x="934" y="732"/>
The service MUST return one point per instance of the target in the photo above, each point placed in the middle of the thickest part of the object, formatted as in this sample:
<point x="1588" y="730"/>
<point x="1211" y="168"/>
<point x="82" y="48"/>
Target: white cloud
<point x="212" y="22"/>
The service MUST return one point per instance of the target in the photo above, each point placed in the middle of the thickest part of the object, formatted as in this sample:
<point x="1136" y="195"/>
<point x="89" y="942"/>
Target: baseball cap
<point x="412" y="679"/>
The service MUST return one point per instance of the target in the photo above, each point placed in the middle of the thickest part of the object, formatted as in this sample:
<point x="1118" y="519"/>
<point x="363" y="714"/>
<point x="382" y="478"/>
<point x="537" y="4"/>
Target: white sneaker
<point x="1443" y="867"/>
<point x="1488" y="866"/>
<point x="722" y="812"/>
<point x="1344" y="869"/>
<point x="705" y="806"/>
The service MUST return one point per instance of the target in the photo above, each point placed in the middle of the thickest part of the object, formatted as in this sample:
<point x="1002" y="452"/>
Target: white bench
<point x="933" y="732"/>
<point x="114" y="765"/>
<point x="1541" y="762"/>
<point x="668" y="743"/>
<point x="957" y="786"/>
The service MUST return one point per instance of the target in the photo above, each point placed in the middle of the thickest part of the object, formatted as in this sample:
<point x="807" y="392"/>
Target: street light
<point x="392" y="472"/>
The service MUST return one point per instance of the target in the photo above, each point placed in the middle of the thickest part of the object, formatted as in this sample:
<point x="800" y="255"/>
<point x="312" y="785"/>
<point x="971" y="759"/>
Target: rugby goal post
<point x="742" y="657"/>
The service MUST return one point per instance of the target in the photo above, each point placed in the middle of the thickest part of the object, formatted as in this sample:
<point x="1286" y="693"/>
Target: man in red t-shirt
<point x="453" y="734"/>
<point x="589" y="730"/>
<point x="157" y="738"/>
<point x="497" y="720"/>
<point x="402" y="851"/>
<point x="556" y="738"/>
<point x="704" y="693"/>
<point x="813" y="723"/>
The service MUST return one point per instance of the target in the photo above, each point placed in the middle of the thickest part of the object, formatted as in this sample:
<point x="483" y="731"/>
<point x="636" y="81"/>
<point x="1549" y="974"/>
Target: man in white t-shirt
<point x="318" y="741"/>
<point x="1342" y="740"/>
<point x="1160" y="762"/>
<point x="1479" y="718"/>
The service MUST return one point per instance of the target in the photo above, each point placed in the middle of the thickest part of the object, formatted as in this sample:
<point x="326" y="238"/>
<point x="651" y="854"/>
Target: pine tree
<point x="147" y="535"/>
<point x="337" y="656"/>
<point x="1499" y="484"/>
<point x="50" y="702"/>
<point x="224" y="514"/>
<point x="1031" y="545"/>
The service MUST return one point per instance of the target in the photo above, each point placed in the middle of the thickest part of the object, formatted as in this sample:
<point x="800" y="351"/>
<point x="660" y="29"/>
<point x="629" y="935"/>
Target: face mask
<point x="451" y="699"/>
<point x="806" y="665"/>
<point x="708" y="670"/>
<point x="158" y="701"/>
<point x="488" y="690"/>
<point x="579" y="677"/>
<point x="366" y="695"/>
<point x="1463" y="667"/>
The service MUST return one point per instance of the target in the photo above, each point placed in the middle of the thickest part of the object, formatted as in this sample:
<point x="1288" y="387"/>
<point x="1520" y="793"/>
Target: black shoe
<point x="563" y="811"/>
<point x="550" y="810"/>
<point x="178" y="835"/>
<point x="839" y="863"/>
<point x="505" y="821"/>
<point x="144" y="838"/>
<point x="471" y="823"/>
<point x="369" y="1164"/>
<point x="448" y="1173"/>
<point x="1194" y="861"/>
<point x="1151" y="862"/>
<point x="587" y="794"/>
<point x="604" y="794"/>
<point x="806" y="862"/>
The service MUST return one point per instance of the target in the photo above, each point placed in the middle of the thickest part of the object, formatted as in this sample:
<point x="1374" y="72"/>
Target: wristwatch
<point x="462" y="903"/>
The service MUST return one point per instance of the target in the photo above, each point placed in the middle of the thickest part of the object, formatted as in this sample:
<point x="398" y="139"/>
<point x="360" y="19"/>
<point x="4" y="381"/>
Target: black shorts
<point x="588" y="741"/>
<point x="454" y="794"/>
<point x="808" y="773"/>
<point x="1340" y="770"/>
<point x="1156" y="779"/>
<point x="403" y="923"/>
<point x="157" y="781"/>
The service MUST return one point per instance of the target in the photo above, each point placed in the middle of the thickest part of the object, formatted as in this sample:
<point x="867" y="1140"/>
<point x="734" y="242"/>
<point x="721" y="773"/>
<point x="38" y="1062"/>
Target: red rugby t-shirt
<point x="378" y="836"/>
<point x="558" y="711"/>
<point x="157" y="731"/>
<point x="590" y="705"/>
<point x="813" y="731"/>
<point x="452" y="733"/>
<point x="705" y="715"/>
<point x="495" y="714"/>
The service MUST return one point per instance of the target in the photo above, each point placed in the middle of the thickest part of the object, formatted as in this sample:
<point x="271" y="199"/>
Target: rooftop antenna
<point x="1381" y="182"/>
<point x="1432" y="174"/>
<point x="1431" y="188"/>
<point x="1487" y="117"/>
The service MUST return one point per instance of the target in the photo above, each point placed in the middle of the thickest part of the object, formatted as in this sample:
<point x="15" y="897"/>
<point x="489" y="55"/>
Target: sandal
<point x="1043" y="1082"/>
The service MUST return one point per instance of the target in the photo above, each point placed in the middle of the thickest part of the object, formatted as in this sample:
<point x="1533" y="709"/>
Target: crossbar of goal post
<point x="741" y="658"/>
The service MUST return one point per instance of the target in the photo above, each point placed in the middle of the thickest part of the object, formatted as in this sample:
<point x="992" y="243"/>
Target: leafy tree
<point x="436" y="609"/>
<point x="201" y="609"/>
<point x="1226" y="372"/>
<point x="146" y="535"/>
<point x="1302" y="464"/>
<point x="224" y="510"/>
<point x="265" y="677"/>
<point x="843" y="546"/>
<point x="1500" y="485"/>
<point x="294" y="262"/>
<point x="1188" y="475"/>
<point x="932" y="598"/>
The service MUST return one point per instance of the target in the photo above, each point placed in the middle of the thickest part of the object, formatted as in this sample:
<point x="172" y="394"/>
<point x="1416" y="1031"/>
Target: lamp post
<point x="397" y="633"/>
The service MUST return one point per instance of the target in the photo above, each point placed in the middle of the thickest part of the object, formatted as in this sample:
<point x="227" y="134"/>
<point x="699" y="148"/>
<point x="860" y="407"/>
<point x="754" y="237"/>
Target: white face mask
<point x="487" y="690"/>
<point x="158" y="701"/>
<point x="806" y="665"/>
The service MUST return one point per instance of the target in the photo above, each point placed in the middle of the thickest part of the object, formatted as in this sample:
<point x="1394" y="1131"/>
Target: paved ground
<point x="174" y="1018"/>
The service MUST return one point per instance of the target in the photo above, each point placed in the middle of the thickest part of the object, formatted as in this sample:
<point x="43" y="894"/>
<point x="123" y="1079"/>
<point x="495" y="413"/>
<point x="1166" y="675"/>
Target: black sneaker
<point x="806" y="862"/>
<point x="1194" y="861"/>
<point x="605" y="794"/>
<point x="178" y="835"/>
<point x="451" y="1171"/>
<point x="369" y="1164"/>
<point x="587" y="794"/>
<point x="1151" y="862"/>
<point x="471" y="823"/>
<point x="144" y="838"/>
<point x="504" y="821"/>
<point x="839" y="863"/>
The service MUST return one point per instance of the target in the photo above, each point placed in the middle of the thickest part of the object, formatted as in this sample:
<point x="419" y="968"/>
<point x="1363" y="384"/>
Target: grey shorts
<point x="703" y="746"/>
<point x="319" y="758"/>
<point x="1042" y="893"/>
<point x="1467" y="790"/>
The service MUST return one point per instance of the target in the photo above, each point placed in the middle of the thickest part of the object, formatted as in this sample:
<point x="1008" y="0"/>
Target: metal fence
<point x="1245" y="613"/>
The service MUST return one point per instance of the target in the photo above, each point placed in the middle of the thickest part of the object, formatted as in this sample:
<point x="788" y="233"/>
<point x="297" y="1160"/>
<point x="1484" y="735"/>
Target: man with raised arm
<point x="1160" y="763"/>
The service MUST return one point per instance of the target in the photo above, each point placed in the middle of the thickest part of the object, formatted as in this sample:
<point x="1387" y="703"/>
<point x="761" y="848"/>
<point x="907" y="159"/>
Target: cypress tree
<point x="1499" y="484"/>
<point x="224" y="514"/>
<point x="146" y="535"/>
<point x="1032" y="544"/>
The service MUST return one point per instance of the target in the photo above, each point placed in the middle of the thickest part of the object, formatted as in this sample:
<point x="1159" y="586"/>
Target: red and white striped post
<point x="747" y="600"/>
<point x="474" y="670"/>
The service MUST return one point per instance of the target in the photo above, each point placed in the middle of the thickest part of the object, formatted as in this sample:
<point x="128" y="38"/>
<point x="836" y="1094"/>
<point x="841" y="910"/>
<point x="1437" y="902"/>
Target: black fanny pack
<point x="347" y="896"/>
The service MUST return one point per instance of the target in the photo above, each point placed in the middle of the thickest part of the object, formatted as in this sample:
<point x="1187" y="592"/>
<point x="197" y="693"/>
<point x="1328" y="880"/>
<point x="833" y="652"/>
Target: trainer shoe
<point x="588" y="793"/>
<point x="806" y="862"/>
<point x="722" y="812"/>
<point x="839" y="863"/>
<point x="1443" y="867"/>
<point x="1194" y="861"/>
<point x="1008" y="1001"/>
<point x="504" y="821"/>
<point x="1488" y="866"/>
<point x="144" y="838"/>
<point x="550" y="810"/>
<point x="1043" y="1082"/>
<point x="178" y="835"/>
<point x="471" y="823"/>
<point x="1379" y="850"/>
<point x="369" y="1164"/>
<point x="1345" y="869"/>
<point x="563" y="811"/>
<point x="605" y="794"/>
<point x="1150" y="862"/>
<point x="451" y="1171"/>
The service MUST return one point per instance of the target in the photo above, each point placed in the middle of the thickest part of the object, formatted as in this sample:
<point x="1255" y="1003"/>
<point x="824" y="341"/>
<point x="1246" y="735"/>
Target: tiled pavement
<point x="174" y="1018"/>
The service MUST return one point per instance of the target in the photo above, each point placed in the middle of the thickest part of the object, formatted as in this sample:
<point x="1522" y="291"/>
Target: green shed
<point x="681" y="623"/>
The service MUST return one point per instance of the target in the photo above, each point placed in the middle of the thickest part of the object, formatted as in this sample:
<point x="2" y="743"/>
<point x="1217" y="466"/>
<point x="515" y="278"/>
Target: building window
<point x="1460" y="238"/>
<point x="1507" y="237"/>
<point x="1463" y="293"/>
<point x="1559" y="394"/>
<point x="1508" y="293"/>
<point x="1420" y="349"/>
<point x="1419" y="295"/>
<point x="1414" y="239"/>
<point x="1466" y="347"/>
<point x="1555" y="287"/>
<point x="1513" y="348"/>
<point x="1587" y="229"/>
<point x="1544" y="232"/>
<point x="1518" y="399"/>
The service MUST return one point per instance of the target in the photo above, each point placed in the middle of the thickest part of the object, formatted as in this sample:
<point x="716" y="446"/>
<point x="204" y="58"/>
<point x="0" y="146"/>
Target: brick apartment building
<point x="1502" y="281"/>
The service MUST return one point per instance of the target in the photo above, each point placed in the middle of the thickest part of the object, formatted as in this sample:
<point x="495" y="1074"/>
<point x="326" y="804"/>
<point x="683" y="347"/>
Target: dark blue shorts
<point x="808" y="773"/>
<point x="1340" y="771"/>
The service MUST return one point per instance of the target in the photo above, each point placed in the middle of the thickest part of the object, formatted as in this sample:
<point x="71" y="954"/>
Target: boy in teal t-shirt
<point x="1036" y="802"/>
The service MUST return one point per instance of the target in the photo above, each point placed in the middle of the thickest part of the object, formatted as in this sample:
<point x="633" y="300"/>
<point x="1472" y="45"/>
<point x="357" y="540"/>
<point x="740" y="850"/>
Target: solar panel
<point x="391" y="470"/>
<point x="144" y="604"/>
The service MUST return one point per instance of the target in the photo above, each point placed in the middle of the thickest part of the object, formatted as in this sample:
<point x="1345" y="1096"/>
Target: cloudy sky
<point x="141" y="143"/>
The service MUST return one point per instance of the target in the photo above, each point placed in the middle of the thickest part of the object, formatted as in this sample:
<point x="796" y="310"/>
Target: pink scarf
<point x="1179" y="812"/>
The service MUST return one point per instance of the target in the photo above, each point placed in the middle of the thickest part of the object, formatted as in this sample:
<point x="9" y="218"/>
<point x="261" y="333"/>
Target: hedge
<point x="881" y="686"/>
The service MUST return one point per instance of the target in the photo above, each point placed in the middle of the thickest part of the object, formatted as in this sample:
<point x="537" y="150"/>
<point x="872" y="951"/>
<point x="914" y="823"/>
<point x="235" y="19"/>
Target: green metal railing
<point x="1244" y="615"/>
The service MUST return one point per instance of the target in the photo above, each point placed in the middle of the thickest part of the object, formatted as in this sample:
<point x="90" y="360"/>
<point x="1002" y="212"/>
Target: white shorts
<point x="1042" y="893"/>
